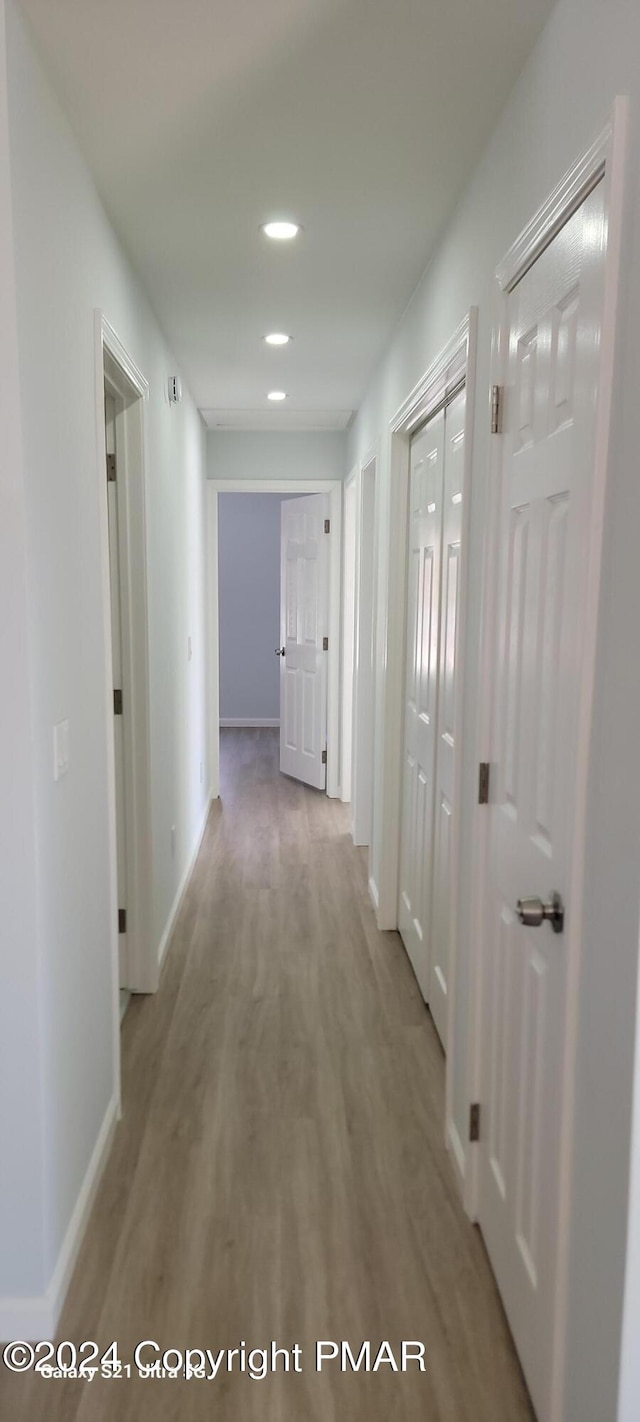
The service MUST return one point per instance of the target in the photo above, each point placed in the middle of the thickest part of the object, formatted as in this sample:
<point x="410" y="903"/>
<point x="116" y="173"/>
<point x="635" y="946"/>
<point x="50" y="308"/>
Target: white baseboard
<point x="34" y="1318"/>
<point x="454" y="1145"/>
<point x="248" y="721"/>
<point x="373" y="894"/>
<point x="175" y="907"/>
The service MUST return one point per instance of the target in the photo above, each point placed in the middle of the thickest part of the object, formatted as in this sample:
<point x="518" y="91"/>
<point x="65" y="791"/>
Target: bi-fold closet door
<point x="429" y="758"/>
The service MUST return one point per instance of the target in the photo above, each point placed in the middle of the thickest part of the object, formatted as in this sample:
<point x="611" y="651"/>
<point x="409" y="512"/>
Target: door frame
<point x="115" y="368"/>
<point x="457" y="361"/>
<point x="363" y="774"/>
<point x="349" y="599"/>
<point x="604" y="160"/>
<point x="454" y="364"/>
<point x="333" y="487"/>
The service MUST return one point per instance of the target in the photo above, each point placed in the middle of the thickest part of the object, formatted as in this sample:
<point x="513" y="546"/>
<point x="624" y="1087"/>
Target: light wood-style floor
<point x="279" y="1171"/>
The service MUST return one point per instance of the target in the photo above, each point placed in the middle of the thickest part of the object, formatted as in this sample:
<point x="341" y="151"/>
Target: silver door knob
<point x="281" y="651"/>
<point x="533" y="912"/>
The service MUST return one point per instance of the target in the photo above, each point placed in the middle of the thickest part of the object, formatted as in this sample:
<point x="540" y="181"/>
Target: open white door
<point x="442" y="907"/>
<point x="304" y="627"/>
<point x="421" y="696"/>
<point x="553" y="339"/>
<point x="426" y="909"/>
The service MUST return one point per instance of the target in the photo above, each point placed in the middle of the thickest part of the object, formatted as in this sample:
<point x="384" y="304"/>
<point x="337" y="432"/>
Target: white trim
<point x="560" y="205"/>
<point x="213" y="640"/>
<point x="249" y="721"/>
<point x="483" y="744"/>
<point x="333" y="487"/>
<point x="362" y="758"/>
<point x="37" y="1317"/>
<point x="615" y="162"/>
<point x="183" y="886"/>
<point x="125" y="380"/>
<point x="390" y="658"/>
<point x="456" y="1151"/>
<point x="111" y="340"/>
<point x="444" y="375"/>
<point x="606" y="157"/>
<point x="452" y="1136"/>
<point x="447" y="369"/>
<point x="335" y="641"/>
<point x="373" y="893"/>
<point x="347" y="627"/>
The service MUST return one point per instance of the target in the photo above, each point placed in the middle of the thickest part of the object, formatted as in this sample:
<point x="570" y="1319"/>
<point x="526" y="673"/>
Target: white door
<point x="442" y="908"/>
<point x="421" y="696"/>
<point x="304" y="627"/>
<point x="554" y="323"/>
<point x="116" y="645"/>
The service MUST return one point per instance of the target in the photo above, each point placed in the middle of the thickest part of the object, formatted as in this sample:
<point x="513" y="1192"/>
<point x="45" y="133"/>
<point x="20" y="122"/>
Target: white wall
<point x="249" y="455"/>
<point x="249" y="605"/>
<point x="587" y="54"/>
<point x="21" y="1046"/>
<point x="629" y="1401"/>
<point x="68" y="262"/>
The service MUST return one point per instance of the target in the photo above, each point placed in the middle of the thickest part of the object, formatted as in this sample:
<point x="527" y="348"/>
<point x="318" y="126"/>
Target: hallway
<point x="279" y="1171"/>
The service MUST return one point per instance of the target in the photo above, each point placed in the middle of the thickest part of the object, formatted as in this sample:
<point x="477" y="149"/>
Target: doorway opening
<point x="121" y="391"/>
<point x="273" y="563"/>
<point x="249" y="609"/>
<point x="274" y="620"/>
<point x="420" y="823"/>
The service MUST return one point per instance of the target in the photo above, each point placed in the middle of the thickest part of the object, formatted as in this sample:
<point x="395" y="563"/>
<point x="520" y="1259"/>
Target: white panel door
<point x="421" y="696"/>
<point x="442" y="909"/>
<point x="116" y="654"/>
<point x="554" y="323"/>
<point x="304" y="624"/>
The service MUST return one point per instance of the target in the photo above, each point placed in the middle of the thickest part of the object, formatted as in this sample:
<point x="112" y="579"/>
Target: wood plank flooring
<point x="279" y="1172"/>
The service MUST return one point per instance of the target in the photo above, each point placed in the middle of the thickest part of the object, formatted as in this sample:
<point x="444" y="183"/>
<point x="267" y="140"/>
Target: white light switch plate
<point x="60" y="750"/>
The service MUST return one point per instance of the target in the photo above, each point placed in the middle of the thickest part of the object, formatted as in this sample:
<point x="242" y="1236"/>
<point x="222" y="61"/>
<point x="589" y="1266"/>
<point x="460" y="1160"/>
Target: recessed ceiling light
<point x="276" y="395"/>
<point x="277" y="338"/>
<point x="281" y="231"/>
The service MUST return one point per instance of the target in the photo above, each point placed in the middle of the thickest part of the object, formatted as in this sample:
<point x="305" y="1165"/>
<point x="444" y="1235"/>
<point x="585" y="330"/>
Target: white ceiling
<point x="361" y="119"/>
